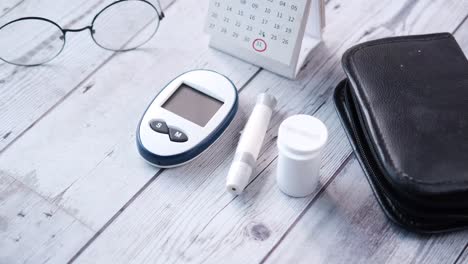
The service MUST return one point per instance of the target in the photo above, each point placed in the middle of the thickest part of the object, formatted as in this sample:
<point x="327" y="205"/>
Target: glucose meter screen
<point x="192" y="105"/>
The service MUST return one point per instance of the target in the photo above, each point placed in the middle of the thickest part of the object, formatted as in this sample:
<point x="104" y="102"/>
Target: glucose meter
<point x="186" y="117"/>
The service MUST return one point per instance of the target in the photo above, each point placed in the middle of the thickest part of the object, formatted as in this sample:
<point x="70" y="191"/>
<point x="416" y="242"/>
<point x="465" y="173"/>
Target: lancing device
<point x="251" y="141"/>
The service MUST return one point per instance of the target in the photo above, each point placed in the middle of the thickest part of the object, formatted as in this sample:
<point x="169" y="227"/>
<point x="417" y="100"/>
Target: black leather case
<point x="404" y="106"/>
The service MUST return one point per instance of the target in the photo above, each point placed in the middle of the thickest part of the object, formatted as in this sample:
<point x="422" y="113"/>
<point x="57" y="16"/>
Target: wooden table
<point x="73" y="187"/>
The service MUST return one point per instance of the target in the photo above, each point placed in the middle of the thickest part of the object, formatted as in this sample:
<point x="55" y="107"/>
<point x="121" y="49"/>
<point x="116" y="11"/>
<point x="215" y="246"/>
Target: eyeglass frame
<point x="90" y="28"/>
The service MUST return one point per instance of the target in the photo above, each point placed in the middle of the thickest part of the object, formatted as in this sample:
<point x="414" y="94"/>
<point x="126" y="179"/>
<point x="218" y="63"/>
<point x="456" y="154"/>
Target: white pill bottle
<point x="301" y="139"/>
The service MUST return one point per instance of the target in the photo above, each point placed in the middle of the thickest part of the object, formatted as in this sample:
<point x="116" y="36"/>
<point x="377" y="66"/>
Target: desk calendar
<point x="277" y="35"/>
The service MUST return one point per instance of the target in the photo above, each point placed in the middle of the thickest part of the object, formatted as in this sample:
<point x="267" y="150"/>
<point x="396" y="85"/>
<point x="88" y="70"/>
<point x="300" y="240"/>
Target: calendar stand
<point x="309" y="36"/>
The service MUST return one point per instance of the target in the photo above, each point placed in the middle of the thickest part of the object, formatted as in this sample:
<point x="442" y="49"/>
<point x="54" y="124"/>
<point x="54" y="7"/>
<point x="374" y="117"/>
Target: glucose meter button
<point x="159" y="126"/>
<point x="177" y="135"/>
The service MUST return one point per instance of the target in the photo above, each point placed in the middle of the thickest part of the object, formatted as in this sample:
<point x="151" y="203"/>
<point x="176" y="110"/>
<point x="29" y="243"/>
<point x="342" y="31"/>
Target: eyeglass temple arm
<point x="161" y="16"/>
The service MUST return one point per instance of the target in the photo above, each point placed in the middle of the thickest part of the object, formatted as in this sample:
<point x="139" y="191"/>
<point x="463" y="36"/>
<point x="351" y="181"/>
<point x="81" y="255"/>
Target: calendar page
<point x="267" y="27"/>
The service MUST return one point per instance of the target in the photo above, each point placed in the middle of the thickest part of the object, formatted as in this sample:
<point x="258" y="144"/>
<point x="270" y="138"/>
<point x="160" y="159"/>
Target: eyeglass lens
<point x="125" y="25"/>
<point x="30" y="41"/>
<point x="121" y="26"/>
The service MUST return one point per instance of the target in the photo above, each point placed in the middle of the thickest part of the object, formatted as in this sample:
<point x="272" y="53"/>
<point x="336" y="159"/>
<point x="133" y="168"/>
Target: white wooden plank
<point x="25" y="86"/>
<point x="185" y="215"/>
<point x="346" y="225"/>
<point x="7" y="6"/>
<point x="27" y="93"/>
<point x="187" y="223"/>
<point x="463" y="258"/>
<point x="54" y="10"/>
<point x="106" y="199"/>
<point x="120" y="168"/>
<point x="197" y="220"/>
<point x="33" y="230"/>
<point x="462" y="36"/>
<point x="91" y="167"/>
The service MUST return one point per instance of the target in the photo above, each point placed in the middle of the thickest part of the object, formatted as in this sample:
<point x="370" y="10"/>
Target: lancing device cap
<point x="239" y="175"/>
<point x="267" y="100"/>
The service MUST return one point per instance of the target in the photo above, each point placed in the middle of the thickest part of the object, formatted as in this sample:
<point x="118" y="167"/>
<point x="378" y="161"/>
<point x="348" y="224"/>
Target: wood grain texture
<point x="185" y="215"/>
<point x="462" y="36"/>
<point x="32" y="230"/>
<point x="85" y="164"/>
<point x="7" y="6"/>
<point x="27" y="93"/>
<point x="463" y="257"/>
<point x="62" y="236"/>
<point x="346" y="225"/>
<point x="182" y="218"/>
<point x="91" y="168"/>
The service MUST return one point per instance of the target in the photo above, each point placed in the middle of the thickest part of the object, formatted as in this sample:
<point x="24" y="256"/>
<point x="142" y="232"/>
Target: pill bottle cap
<point x="302" y="135"/>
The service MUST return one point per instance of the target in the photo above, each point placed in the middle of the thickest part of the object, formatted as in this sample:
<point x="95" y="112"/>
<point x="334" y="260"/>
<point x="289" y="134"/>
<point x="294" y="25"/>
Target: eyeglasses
<point x="121" y="26"/>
